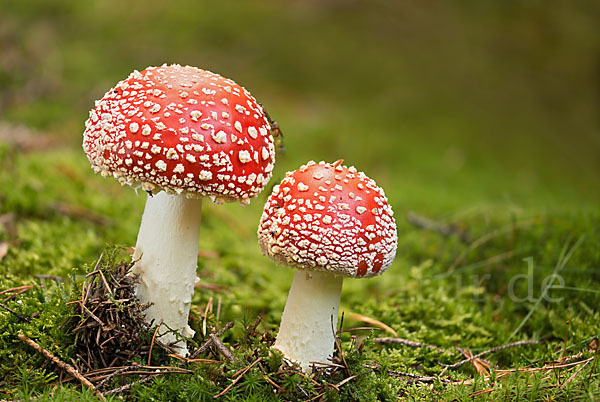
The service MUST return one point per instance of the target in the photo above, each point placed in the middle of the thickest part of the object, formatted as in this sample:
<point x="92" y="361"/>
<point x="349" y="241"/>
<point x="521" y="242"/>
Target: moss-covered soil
<point x="488" y="154"/>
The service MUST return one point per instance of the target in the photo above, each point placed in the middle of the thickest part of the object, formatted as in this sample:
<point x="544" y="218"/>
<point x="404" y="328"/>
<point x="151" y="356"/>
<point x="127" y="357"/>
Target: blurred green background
<point x="470" y="101"/>
<point x="481" y="115"/>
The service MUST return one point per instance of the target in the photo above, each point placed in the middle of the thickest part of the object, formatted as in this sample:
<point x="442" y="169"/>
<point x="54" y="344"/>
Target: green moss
<point x="475" y="140"/>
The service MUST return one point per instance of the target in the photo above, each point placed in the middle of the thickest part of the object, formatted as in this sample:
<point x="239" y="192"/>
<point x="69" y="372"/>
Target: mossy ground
<point x="515" y="172"/>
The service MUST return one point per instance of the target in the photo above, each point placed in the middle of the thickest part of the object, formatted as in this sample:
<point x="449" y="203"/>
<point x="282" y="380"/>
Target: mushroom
<point x="190" y="133"/>
<point x="327" y="221"/>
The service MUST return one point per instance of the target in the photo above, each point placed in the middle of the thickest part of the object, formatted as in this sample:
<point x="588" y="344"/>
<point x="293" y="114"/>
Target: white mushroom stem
<point x="309" y="318"/>
<point x="166" y="256"/>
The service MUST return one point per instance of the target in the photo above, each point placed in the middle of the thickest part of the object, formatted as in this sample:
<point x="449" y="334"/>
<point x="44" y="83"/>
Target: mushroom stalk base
<point x="309" y="318"/>
<point x="166" y="257"/>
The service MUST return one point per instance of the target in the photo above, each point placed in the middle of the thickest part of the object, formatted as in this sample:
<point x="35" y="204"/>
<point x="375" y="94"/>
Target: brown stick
<point x="218" y="316"/>
<point x="98" y="320"/>
<point x="492" y="350"/>
<point x="19" y="316"/>
<point x="10" y="297"/>
<point x="273" y="383"/>
<point x="222" y="348"/>
<point x="595" y="360"/>
<point x="17" y="289"/>
<point x="153" y="338"/>
<point x="372" y="321"/>
<point x="115" y="373"/>
<point x="65" y="366"/>
<point x="574" y="374"/>
<point x="416" y="377"/>
<point x="422" y="222"/>
<point x="241" y="374"/>
<point x="544" y="368"/>
<point x="131" y="384"/>
<point x="208" y="307"/>
<point x="187" y="360"/>
<point x="406" y="342"/>
<point x="207" y="344"/>
<point x="360" y="329"/>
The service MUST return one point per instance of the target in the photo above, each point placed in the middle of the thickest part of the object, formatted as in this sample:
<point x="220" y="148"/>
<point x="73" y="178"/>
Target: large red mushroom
<point x="181" y="134"/>
<point x="328" y="222"/>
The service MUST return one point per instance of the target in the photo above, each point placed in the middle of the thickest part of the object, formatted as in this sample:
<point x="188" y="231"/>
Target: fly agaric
<point x="190" y="133"/>
<point x="327" y="221"/>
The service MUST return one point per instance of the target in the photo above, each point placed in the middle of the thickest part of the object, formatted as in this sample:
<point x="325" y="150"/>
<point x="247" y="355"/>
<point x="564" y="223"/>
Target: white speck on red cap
<point x="309" y="222"/>
<point x="156" y="119"/>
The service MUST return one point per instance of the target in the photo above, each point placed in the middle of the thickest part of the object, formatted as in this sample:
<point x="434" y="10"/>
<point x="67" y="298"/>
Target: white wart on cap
<point x="331" y="218"/>
<point x="182" y="130"/>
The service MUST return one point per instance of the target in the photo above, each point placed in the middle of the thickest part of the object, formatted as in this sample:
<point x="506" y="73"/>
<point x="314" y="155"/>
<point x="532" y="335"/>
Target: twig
<point x="501" y="373"/>
<point x="406" y="342"/>
<point x="188" y="360"/>
<point x="482" y="391"/>
<point x="348" y="379"/>
<point x="416" y="377"/>
<point x="326" y="364"/>
<point x="226" y="390"/>
<point x="17" y="289"/>
<point x="153" y="338"/>
<point x="217" y="317"/>
<point x="545" y="367"/>
<point x="302" y="390"/>
<point x="222" y="348"/>
<point x="574" y="374"/>
<point x="360" y="329"/>
<point x="595" y="361"/>
<point x="345" y="380"/>
<point x="108" y="289"/>
<point x="131" y="384"/>
<point x="372" y="321"/>
<point x="65" y="366"/>
<point x="566" y="338"/>
<point x="273" y="383"/>
<point x="252" y="327"/>
<point x="19" y="316"/>
<point x="564" y="354"/>
<point x="341" y="324"/>
<point x="206" y="344"/>
<point x="314" y="398"/>
<point x="208" y="307"/>
<point x="98" y="320"/>
<point x="116" y="373"/>
<point x="492" y="350"/>
<point x="338" y="344"/>
<point x="18" y="292"/>
<point x="97" y="266"/>
<point x="480" y="366"/>
<point x="433" y="226"/>
<point x="102" y="374"/>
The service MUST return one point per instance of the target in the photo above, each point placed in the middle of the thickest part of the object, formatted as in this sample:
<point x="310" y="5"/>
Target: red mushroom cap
<point x="182" y="130"/>
<point x="329" y="217"/>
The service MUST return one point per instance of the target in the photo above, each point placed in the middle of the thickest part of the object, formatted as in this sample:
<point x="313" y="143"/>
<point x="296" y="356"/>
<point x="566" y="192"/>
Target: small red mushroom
<point x="179" y="133"/>
<point x="327" y="221"/>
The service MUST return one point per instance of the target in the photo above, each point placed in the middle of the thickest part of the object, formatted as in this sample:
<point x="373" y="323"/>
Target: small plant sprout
<point x="327" y="221"/>
<point x="180" y="134"/>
